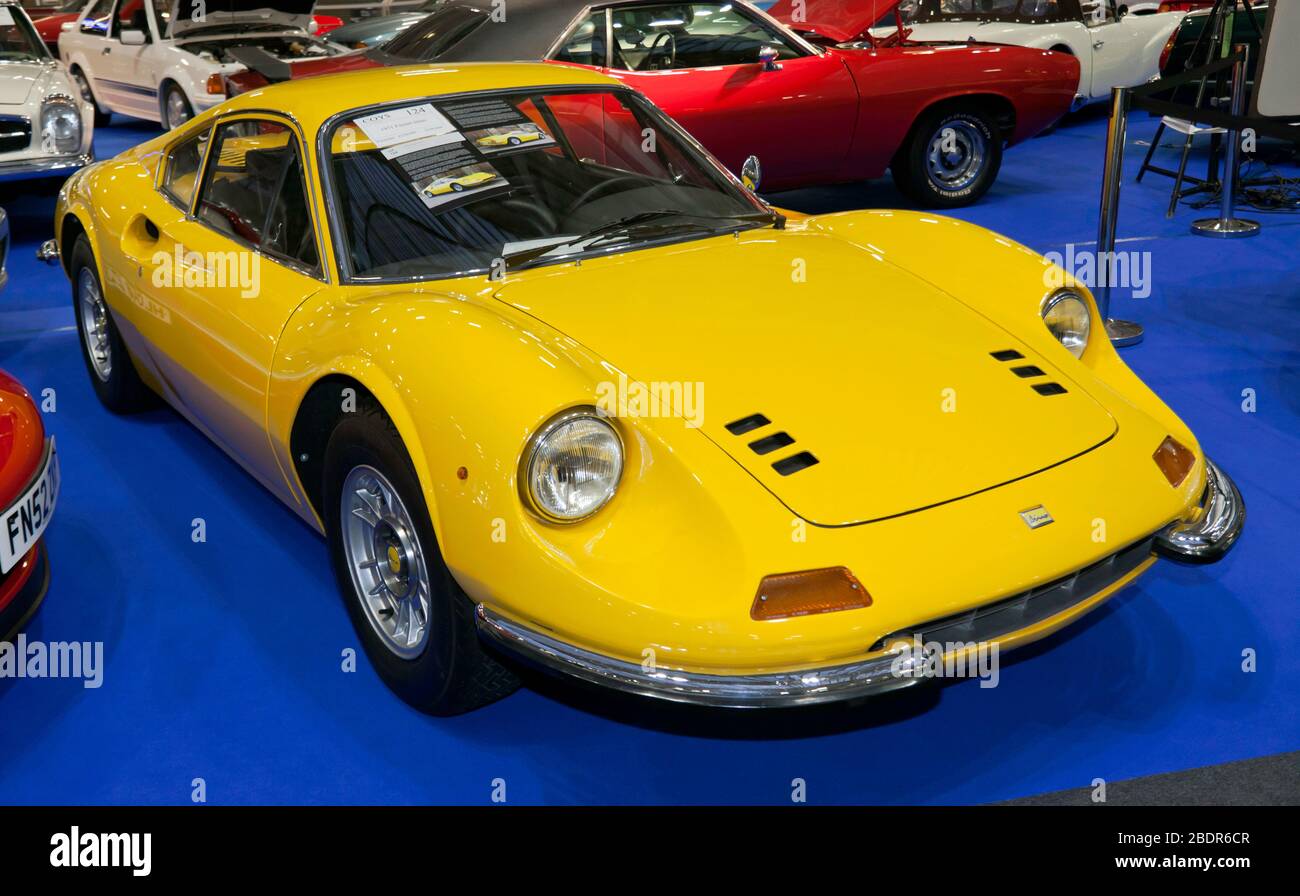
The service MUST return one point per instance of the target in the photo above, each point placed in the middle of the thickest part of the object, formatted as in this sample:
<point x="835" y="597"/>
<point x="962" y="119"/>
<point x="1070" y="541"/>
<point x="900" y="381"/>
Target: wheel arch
<point x="998" y="105"/>
<point x="324" y="404"/>
<point x="163" y="84"/>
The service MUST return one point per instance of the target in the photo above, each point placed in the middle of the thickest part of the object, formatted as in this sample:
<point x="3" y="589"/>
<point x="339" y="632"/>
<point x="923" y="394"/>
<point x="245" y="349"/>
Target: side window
<point x="97" y="18"/>
<point x="586" y="45"/>
<point x="692" y="35"/>
<point x="254" y="193"/>
<point x="183" y="169"/>
<point x="130" y="16"/>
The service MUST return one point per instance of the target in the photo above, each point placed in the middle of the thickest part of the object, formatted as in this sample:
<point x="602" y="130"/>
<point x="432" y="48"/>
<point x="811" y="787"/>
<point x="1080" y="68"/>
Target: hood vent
<point x="1029" y="371"/>
<point x="767" y="444"/>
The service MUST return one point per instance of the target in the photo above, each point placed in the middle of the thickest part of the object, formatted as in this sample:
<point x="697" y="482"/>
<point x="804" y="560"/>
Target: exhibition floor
<point x="222" y="659"/>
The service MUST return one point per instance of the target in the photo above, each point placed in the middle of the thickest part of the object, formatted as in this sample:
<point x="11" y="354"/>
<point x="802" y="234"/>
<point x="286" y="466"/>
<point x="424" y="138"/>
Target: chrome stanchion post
<point x="1227" y="226"/>
<point x="1121" y="332"/>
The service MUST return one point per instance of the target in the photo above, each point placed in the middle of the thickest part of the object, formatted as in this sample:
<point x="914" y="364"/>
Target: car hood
<point x="17" y="80"/>
<point x="840" y="20"/>
<point x="886" y="380"/>
<point x="294" y="13"/>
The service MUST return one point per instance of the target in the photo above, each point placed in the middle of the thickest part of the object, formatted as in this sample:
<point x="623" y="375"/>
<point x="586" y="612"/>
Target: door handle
<point x="1097" y="45"/>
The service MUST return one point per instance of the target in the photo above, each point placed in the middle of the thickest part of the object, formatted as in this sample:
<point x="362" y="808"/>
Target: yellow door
<point x="221" y="281"/>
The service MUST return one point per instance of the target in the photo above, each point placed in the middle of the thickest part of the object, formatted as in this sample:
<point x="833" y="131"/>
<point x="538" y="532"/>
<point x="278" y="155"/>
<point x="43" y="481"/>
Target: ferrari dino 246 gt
<point x="886" y="447"/>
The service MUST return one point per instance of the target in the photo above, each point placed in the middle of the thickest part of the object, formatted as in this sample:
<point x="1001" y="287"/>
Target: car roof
<point x="312" y="101"/>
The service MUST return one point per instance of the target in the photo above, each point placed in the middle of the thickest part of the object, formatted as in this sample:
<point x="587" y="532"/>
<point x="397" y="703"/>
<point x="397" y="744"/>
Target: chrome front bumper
<point x="874" y="676"/>
<point x="30" y="169"/>
<point x="1216" y="528"/>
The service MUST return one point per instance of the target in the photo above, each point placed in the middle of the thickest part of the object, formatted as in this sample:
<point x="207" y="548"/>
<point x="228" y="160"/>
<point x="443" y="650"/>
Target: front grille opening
<point x="801" y="461"/>
<point x="768" y="444"/>
<point x="15" y="133"/>
<point x="995" y="620"/>
<point x="1049" y="389"/>
<point x="1007" y="354"/>
<point x="747" y="424"/>
<point x="1027" y="371"/>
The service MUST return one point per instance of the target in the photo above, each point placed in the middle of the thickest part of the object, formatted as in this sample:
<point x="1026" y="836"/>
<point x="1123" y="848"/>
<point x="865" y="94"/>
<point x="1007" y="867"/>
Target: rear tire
<point x="112" y="372"/>
<point x="444" y="670"/>
<point x="950" y="158"/>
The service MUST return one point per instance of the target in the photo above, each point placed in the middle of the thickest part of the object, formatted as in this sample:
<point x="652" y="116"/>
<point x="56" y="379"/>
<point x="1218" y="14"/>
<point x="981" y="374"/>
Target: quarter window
<point x="692" y="35"/>
<point x="254" y="191"/>
<point x="183" y="169"/>
<point x="586" y="44"/>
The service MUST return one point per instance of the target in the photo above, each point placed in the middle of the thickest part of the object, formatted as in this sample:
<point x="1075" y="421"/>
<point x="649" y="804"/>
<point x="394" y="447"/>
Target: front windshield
<point x="449" y="186"/>
<point x="18" y="39"/>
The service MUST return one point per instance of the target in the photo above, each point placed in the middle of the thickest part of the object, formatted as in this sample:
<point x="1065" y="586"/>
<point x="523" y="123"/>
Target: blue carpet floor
<point x="223" y="659"/>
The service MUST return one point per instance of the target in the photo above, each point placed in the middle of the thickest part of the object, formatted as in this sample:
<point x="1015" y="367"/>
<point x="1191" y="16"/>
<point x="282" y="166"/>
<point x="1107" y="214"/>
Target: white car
<point x="165" y="60"/>
<point x="45" y="127"/>
<point x="1114" y="48"/>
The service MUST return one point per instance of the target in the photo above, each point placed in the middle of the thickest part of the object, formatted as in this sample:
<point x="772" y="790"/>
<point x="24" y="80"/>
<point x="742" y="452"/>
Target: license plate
<point x="23" y="522"/>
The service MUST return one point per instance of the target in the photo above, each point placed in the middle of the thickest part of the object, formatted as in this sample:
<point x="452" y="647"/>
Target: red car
<point x="937" y="116"/>
<point x="29" y="485"/>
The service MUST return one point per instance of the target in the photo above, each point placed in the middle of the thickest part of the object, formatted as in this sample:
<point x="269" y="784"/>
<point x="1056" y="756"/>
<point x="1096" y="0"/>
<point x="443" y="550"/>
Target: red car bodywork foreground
<point x="837" y="116"/>
<point x="22" y="453"/>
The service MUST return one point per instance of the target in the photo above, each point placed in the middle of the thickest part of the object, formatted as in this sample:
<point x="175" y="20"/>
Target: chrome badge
<point x="1036" y="517"/>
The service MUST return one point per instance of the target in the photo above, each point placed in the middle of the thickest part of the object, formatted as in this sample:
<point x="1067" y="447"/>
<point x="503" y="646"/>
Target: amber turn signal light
<point x="808" y="592"/>
<point x="217" y="85"/>
<point x="1175" y="460"/>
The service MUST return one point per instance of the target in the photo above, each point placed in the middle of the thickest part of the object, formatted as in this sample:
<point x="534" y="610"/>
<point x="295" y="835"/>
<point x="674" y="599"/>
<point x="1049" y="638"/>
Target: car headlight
<point x="572" y="466"/>
<point x="60" y="125"/>
<point x="1066" y="315"/>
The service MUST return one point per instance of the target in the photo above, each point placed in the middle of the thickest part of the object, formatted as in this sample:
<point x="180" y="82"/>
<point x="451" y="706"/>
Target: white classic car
<point x="165" y="60"/>
<point x="1114" y="48"/>
<point x="45" y="128"/>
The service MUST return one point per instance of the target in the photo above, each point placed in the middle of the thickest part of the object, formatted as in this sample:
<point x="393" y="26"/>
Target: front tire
<point x="951" y="157"/>
<point x="413" y="619"/>
<point x="102" y="118"/>
<point x="176" y="109"/>
<point x="112" y="372"/>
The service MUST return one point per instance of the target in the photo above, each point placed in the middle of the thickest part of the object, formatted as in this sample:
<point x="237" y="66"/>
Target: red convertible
<point x="936" y="115"/>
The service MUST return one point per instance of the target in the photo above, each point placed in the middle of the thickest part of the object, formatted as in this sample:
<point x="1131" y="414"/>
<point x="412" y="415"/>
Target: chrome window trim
<point x="342" y="258"/>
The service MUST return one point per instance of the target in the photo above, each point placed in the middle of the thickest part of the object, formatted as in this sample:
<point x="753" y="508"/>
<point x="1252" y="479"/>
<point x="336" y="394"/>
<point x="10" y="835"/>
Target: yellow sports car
<point x="444" y="185"/>
<point x="623" y="419"/>
<point x="516" y="137"/>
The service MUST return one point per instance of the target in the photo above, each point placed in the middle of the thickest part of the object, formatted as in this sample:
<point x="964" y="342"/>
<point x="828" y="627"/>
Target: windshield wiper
<point x="645" y="224"/>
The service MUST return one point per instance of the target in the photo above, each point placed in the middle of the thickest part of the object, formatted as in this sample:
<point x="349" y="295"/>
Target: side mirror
<point x="133" y="38"/>
<point x="769" y="56"/>
<point x="751" y="174"/>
